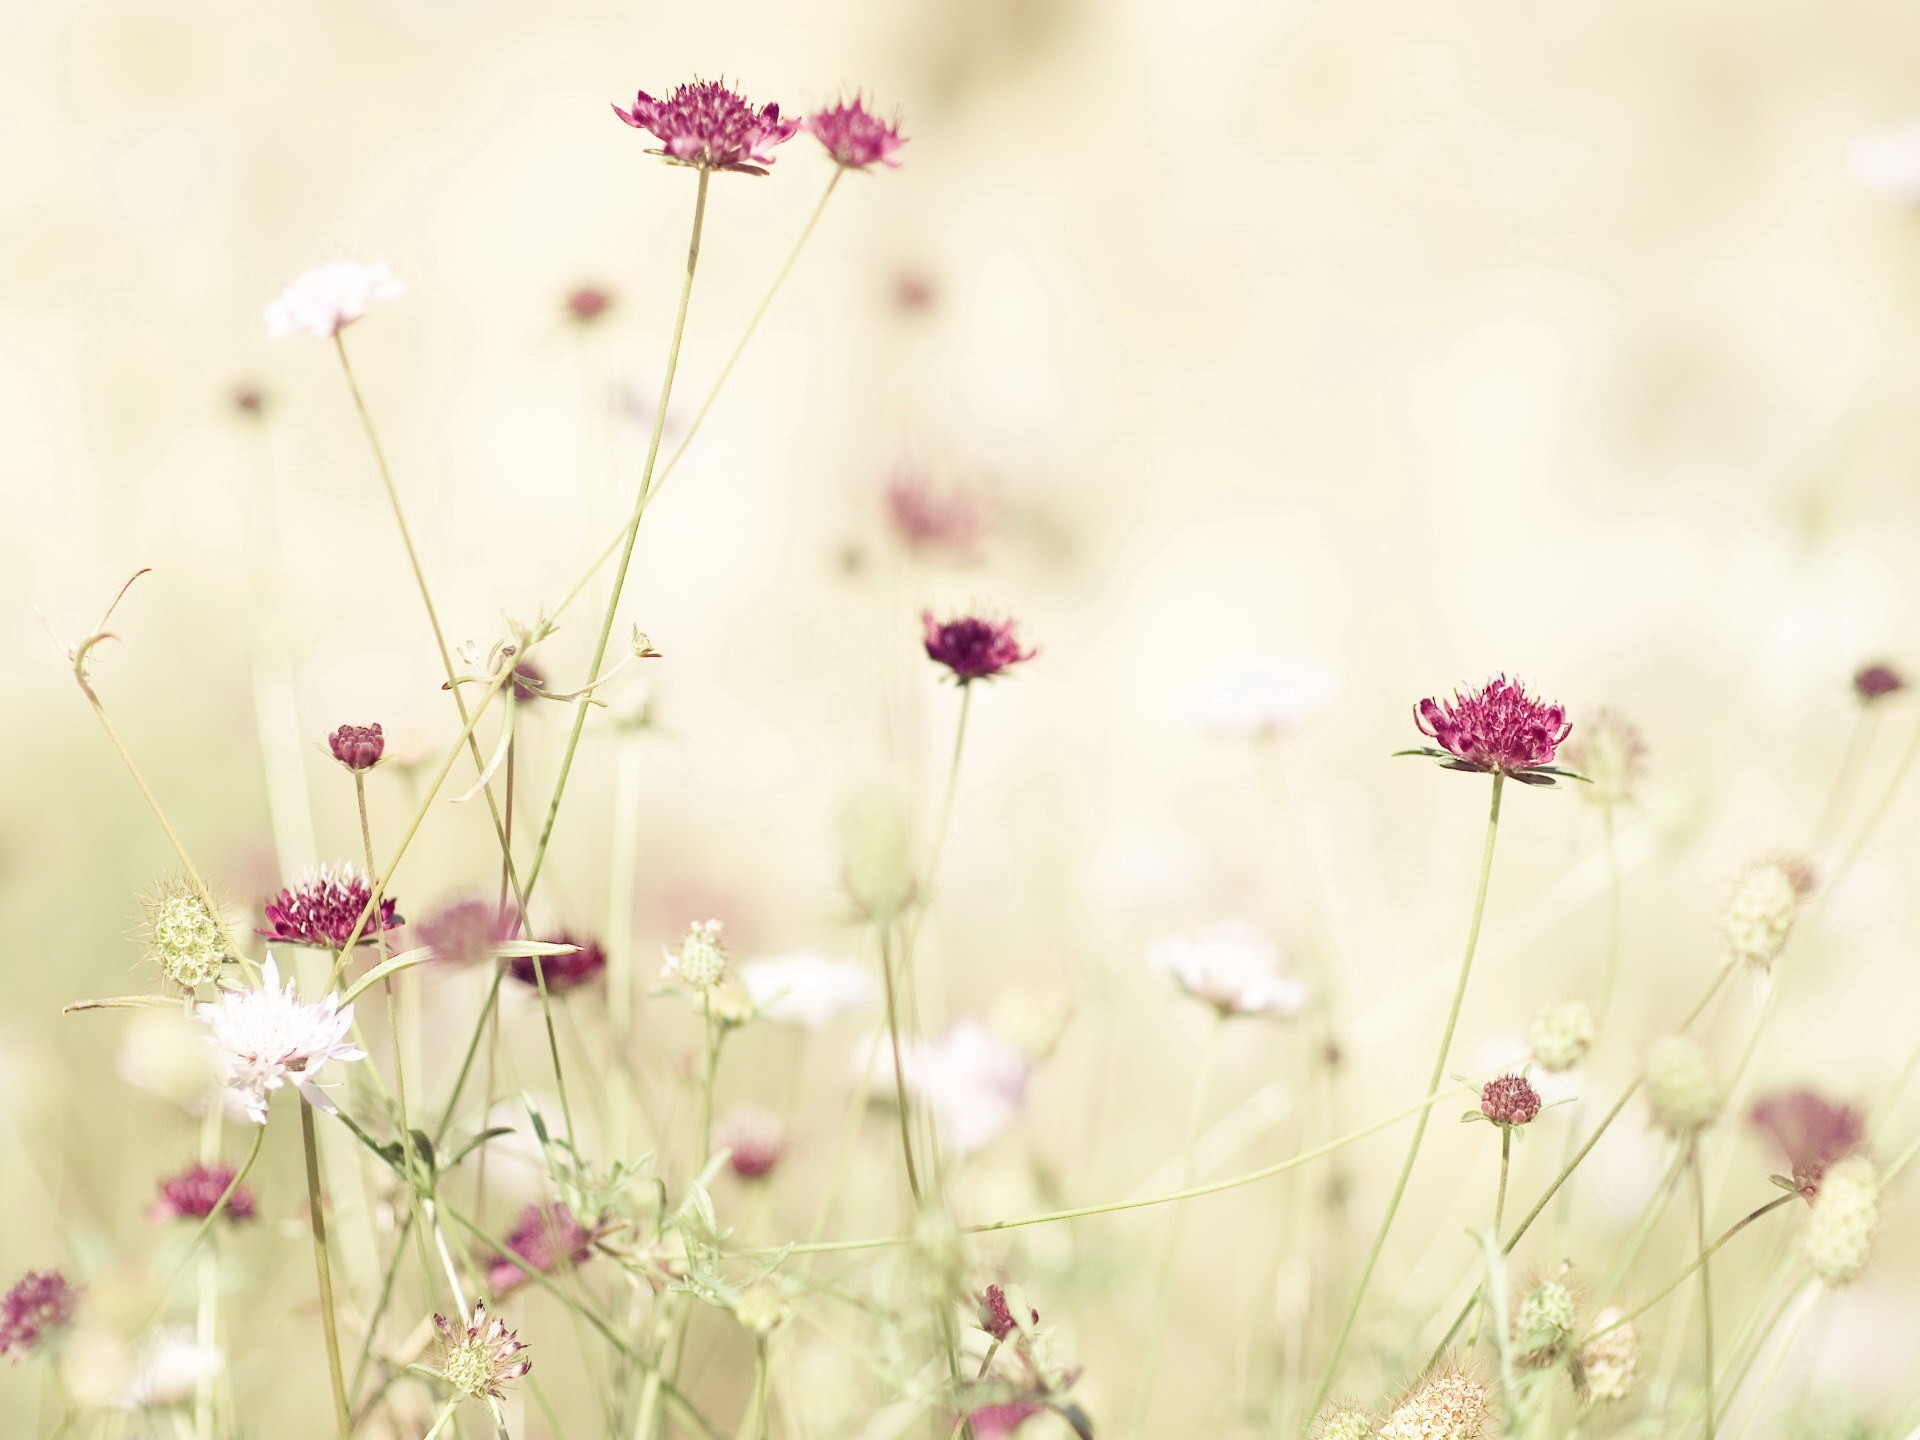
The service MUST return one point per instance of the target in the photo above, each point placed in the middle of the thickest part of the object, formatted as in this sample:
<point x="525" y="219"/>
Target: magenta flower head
<point x="973" y="647"/>
<point x="39" y="1307"/>
<point x="1510" y="1100"/>
<point x="1811" y="1134"/>
<point x="996" y="1315"/>
<point x="562" y="972"/>
<point x="545" y="1237"/>
<point x="192" y="1194"/>
<point x="323" y="909"/>
<point x="855" y="137"/>
<point x="587" y="303"/>
<point x="1498" y="729"/>
<point x="755" y="1138"/>
<point x="1876" y="682"/>
<point x="358" y="747"/>
<point x="711" y="126"/>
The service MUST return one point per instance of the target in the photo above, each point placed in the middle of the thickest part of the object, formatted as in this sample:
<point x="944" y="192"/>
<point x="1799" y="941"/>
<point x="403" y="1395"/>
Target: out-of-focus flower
<point x="927" y="519"/>
<point x="1608" y="1364"/>
<point x="529" y="681"/>
<point x="546" y="1237"/>
<point x="997" y="1421"/>
<point x="1886" y="163"/>
<point x="761" y="1307"/>
<point x="996" y="1315"/>
<point x="1842" y="1223"/>
<point x="587" y="303"/>
<point x="877" y="858"/>
<point x="973" y="647"/>
<point x="973" y="1082"/>
<point x="192" y="1194"/>
<point x="1812" y="1134"/>
<point x="1447" y="1406"/>
<point x="1343" y="1422"/>
<point x="1611" y="752"/>
<point x="807" y="989"/>
<point x="855" y="137"/>
<point x="249" y="399"/>
<point x="1877" y="682"/>
<point x="1681" y="1086"/>
<point x="1762" y="909"/>
<point x="1232" y="967"/>
<point x="914" y="291"/>
<point x="1509" y="1100"/>
<point x="1261" y="699"/>
<point x="358" y="747"/>
<point x="169" y="1369"/>
<point x="39" y="1306"/>
<point x="1543" y="1324"/>
<point x="1498" y="729"/>
<point x="466" y="932"/>
<point x="269" y="1038"/>
<point x="701" y="961"/>
<point x="709" y="125"/>
<point x="326" y="299"/>
<point x="324" y="907"/>
<point x="189" y="944"/>
<point x="481" y="1356"/>
<point x="1561" y="1036"/>
<point x="586" y="962"/>
<point x="756" y="1137"/>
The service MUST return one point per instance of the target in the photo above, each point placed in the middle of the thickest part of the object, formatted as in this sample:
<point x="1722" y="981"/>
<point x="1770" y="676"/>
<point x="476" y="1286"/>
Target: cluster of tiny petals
<point x="855" y="137"/>
<point x="192" y="1194"/>
<point x="1841" y="1225"/>
<point x="545" y="1237"/>
<point x="1811" y="1133"/>
<point x="1762" y="910"/>
<point x="1877" y="682"/>
<point x="1510" y="1100"/>
<point x="1609" y="1363"/>
<point x="1343" y="1422"/>
<point x="323" y="909"/>
<point x="701" y="962"/>
<point x="973" y="647"/>
<point x="586" y="962"/>
<point x="1544" y="1322"/>
<point x="711" y="126"/>
<point x="480" y="1357"/>
<point x="38" y="1307"/>
<point x="1450" y="1406"/>
<point x="1561" y="1036"/>
<point x="1498" y="728"/>
<point x="323" y="301"/>
<point x="186" y="941"/>
<point x="268" y="1038"/>
<point x="358" y="747"/>
<point x="996" y="1315"/>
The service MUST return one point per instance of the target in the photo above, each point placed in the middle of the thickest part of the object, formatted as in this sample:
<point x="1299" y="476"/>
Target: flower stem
<point x="323" y="1269"/>
<point x="899" y="1069"/>
<point x="1420" y="1125"/>
<point x="1706" y="1282"/>
<point x="440" y="1420"/>
<point x="1506" y="1160"/>
<point x="1705" y="1251"/>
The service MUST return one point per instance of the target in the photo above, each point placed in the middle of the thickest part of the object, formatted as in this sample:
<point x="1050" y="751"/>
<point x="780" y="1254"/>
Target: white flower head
<point x="1261" y="699"/>
<point x="323" y="301"/>
<point x="1886" y="163"/>
<point x="268" y="1037"/>
<point x="701" y="961"/>
<point x="1234" y="968"/>
<point x="807" y="989"/>
<point x="973" y="1082"/>
<point x="169" y="1369"/>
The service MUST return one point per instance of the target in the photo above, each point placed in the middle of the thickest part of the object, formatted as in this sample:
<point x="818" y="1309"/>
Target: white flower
<point x="169" y="1370"/>
<point x="328" y="298"/>
<point x="268" y="1037"/>
<point x="1233" y="967"/>
<point x="807" y="989"/>
<point x="973" y="1082"/>
<point x="1260" y="699"/>
<point x="701" y="961"/>
<point x="1887" y="163"/>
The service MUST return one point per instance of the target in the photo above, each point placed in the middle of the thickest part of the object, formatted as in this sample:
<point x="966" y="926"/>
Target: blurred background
<point x="1400" y="343"/>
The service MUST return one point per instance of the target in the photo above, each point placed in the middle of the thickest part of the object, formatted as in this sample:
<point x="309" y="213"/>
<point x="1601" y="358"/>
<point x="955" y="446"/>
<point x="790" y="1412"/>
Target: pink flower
<point x="38" y="1307"/>
<point x="756" y="1138"/>
<point x="545" y="1237"/>
<point x="587" y="303"/>
<point x="996" y="1316"/>
<point x="466" y="931"/>
<point x="926" y="519"/>
<point x="1510" y="1100"/>
<point x="995" y="1422"/>
<point x="973" y="647"/>
<point x="192" y="1194"/>
<point x="1498" y="729"/>
<point x="561" y="972"/>
<point x="323" y="909"/>
<point x="855" y="136"/>
<point x="325" y="300"/>
<point x="358" y="747"/>
<point x="711" y="126"/>
<point x="1811" y="1134"/>
<point x="1876" y="682"/>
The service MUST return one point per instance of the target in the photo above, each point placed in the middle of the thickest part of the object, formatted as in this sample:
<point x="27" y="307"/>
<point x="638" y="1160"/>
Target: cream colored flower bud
<point x="189" y="945"/>
<point x="1544" y="1322"/>
<point x="700" y="963"/>
<point x="1681" y="1086"/>
<point x="1610" y="1362"/>
<point x="1561" y="1036"/>
<point x="1448" y="1406"/>
<point x="761" y="1308"/>
<point x="1343" y="1422"/>
<point x="1761" y="911"/>
<point x="1846" y="1212"/>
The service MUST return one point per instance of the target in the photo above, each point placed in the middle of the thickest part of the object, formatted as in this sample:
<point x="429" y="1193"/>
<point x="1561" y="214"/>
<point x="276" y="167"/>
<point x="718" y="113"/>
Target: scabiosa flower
<point x="325" y="300"/>
<point x="1762" y="909"/>
<point x="1841" y="1226"/>
<point x="1261" y="700"/>
<point x="756" y="1139"/>
<point x="466" y="932"/>
<point x="1344" y="1422"/>
<point x="39" y="1306"/>
<point x="1612" y="754"/>
<point x="192" y="1194"/>
<point x="481" y="1356"/>
<point x="587" y="961"/>
<point x="927" y="519"/>
<point x="1232" y="967"/>
<point x="996" y="1315"/>
<point x="1811" y="1133"/>
<point x="1498" y="729"/>
<point x="973" y="647"/>
<point x="1543" y="1324"/>
<point x="1448" y="1406"/>
<point x="1561" y="1035"/>
<point x="973" y="1082"/>
<point x="701" y="962"/>
<point x="268" y="1037"/>
<point x="546" y="1237"/>
<point x="170" y="1367"/>
<point x="808" y="990"/>
<point x="711" y="126"/>
<point x="324" y="907"/>
<point x="855" y="137"/>
<point x="587" y="303"/>
<point x="358" y="747"/>
<point x="1609" y="1363"/>
<point x="1681" y="1087"/>
<point x="189" y="944"/>
<point x="999" y="1420"/>
<point x="1509" y="1100"/>
<point x="1877" y="682"/>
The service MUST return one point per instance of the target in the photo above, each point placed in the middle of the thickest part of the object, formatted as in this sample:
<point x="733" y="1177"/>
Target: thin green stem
<point x="323" y="1270"/>
<point x="1706" y="1251"/>
<point x="1610" y="974"/>
<point x="440" y="1420"/>
<point x="1706" y="1284"/>
<point x="1506" y="1160"/>
<point x="899" y="1067"/>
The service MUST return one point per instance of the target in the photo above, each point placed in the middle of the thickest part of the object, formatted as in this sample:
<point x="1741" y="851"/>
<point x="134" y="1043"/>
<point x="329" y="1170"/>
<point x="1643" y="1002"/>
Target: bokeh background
<point x="1409" y="342"/>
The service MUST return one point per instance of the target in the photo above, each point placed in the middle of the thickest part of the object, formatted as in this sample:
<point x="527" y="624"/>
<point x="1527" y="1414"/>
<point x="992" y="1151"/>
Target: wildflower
<point x="1544" y="1323"/>
<point x="249" y="399"/>
<point x="1681" y="1086"/>
<point x="481" y="1356"/>
<point x="1498" y="729"/>
<point x="1449" y="1406"/>
<point x="711" y="126"/>
<point x="192" y="1194"/>
<point x="997" y="1421"/>
<point x="1561" y="1036"/>
<point x="855" y="137"/>
<point x="761" y="1308"/>
<point x="996" y="1315"/>
<point x="267" y="1038"/>
<point x="1609" y="1363"/>
<point x="973" y="1082"/>
<point x="587" y="303"/>
<point x="1811" y="1134"/>
<point x="1232" y="967"/>
<point x="358" y="747"/>
<point x="700" y="963"/>
<point x="807" y="990"/>
<point x="1887" y="163"/>
<point x="1344" y="1422"/>
<point x="756" y="1139"/>
<point x="1509" y="1100"/>
<point x="467" y="932"/>
<point x="876" y="863"/>
<point x="1261" y="700"/>
<point x="169" y="1370"/>
<point x="1762" y="909"/>
<point x="730" y="1004"/>
<point x="545" y="1237"/>
<point x="323" y="909"/>
<point x="1612" y="754"/>
<point x="39" y="1306"/>
<point x="586" y="962"/>
<point x="1841" y="1226"/>
<point x="926" y="519"/>
<point x="1877" y="682"/>
<point x="973" y="647"/>
<point x="529" y="681"/>
<point x="325" y="300"/>
<point x="187" y="941"/>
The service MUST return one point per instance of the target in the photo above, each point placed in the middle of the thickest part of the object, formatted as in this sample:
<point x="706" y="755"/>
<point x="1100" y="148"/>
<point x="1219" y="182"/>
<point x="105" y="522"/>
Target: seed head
<point x="1544" y="1323"/>
<point x="1682" y="1089"/>
<point x="481" y="1356"/>
<point x="189" y="944"/>
<point x="1841" y="1226"/>
<point x="358" y="747"/>
<point x="586" y="962"/>
<point x="1497" y="729"/>
<point x="1760" y="913"/>
<point x="972" y="647"/>
<point x="1344" y="1422"/>
<point x="701" y="962"/>
<point x="1447" y="1406"/>
<point x="1510" y="1100"/>
<point x="855" y="137"/>
<point x="1561" y="1036"/>
<point x="711" y="126"/>
<point x="1608" y="1364"/>
<point x="192" y="1194"/>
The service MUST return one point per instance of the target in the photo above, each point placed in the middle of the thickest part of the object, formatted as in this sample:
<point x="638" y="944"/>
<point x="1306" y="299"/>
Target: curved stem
<point x="1706" y="1283"/>
<point x="1506" y="1160"/>
<point x="323" y="1270"/>
<point x="1705" y="1252"/>
<point x="899" y="1069"/>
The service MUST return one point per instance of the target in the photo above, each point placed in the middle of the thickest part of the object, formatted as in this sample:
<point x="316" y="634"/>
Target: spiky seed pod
<point x="1343" y="1422"/>
<point x="701" y="961"/>
<point x="1561" y="1036"/>
<point x="1761" y="911"/>
<point x="1544" y="1323"/>
<point x="1608" y="1364"/>
<point x="1447" y="1406"/>
<point x="1845" y="1215"/>
<point x="1681" y="1086"/>
<point x="188" y="944"/>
